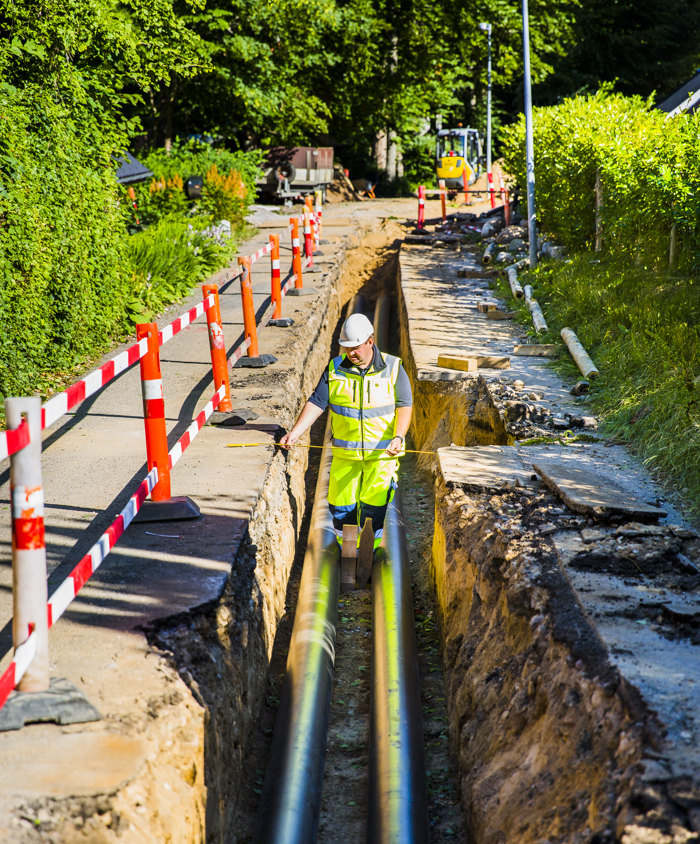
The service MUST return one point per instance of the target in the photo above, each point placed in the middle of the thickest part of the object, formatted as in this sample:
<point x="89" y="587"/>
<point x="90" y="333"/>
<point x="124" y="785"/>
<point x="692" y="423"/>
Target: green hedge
<point x="72" y="280"/>
<point x="64" y="280"/>
<point x="649" y="169"/>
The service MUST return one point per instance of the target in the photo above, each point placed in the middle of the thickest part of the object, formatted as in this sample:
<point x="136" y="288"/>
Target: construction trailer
<point x="293" y="172"/>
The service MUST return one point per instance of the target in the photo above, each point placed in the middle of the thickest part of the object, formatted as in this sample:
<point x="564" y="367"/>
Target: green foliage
<point x="641" y="46"/>
<point x="229" y="183"/>
<point x="642" y="329"/>
<point x="649" y="171"/>
<point x="419" y="161"/>
<point x="63" y="283"/>
<point x="168" y="260"/>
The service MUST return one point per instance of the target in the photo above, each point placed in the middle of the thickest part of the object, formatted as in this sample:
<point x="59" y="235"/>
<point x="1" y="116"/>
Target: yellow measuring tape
<point x="299" y="445"/>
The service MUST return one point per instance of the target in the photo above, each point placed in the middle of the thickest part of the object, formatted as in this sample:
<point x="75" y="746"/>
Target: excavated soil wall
<point x="223" y="651"/>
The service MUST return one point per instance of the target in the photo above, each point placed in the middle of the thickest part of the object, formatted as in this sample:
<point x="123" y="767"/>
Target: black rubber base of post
<point x="172" y="510"/>
<point x="315" y="269"/>
<point x="302" y="291"/>
<point x="284" y="322"/>
<point x="318" y="252"/>
<point x="232" y="419"/>
<point x="324" y="241"/>
<point x="255" y="363"/>
<point x="62" y="703"/>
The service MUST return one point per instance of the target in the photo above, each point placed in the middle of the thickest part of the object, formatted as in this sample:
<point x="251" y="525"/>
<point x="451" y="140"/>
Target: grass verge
<point x="642" y="329"/>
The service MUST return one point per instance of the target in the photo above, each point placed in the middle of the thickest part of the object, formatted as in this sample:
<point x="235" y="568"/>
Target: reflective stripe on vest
<point x="363" y="408"/>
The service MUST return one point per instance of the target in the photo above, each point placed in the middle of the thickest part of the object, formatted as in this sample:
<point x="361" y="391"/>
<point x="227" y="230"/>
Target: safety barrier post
<point x="308" y="241"/>
<point x="421" y="207"/>
<point x="254" y="358"/>
<point x="162" y="506"/>
<point x="505" y="199"/>
<point x="319" y="213"/>
<point x="443" y="201"/>
<point x="492" y="192"/>
<point x="276" y="286"/>
<point x="29" y="577"/>
<point x="466" y="187"/>
<point x="296" y="255"/>
<point x="217" y="347"/>
<point x="298" y="289"/>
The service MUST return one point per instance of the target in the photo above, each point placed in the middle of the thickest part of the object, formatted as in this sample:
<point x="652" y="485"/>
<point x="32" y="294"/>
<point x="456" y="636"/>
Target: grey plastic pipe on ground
<point x="397" y="808"/>
<point x="579" y="354"/>
<point x="538" y="319"/>
<point x="515" y="286"/>
<point x="487" y="257"/>
<point x="291" y="796"/>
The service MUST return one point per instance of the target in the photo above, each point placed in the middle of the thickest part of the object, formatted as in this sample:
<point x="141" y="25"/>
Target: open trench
<point x="531" y="732"/>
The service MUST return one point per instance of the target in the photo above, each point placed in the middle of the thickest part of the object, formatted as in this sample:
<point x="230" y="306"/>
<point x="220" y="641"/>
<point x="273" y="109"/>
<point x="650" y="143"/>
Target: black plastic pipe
<point x="397" y="811"/>
<point x="291" y="795"/>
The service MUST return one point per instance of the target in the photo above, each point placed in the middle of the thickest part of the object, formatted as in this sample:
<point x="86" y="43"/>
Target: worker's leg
<point x="343" y="493"/>
<point x="379" y="480"/>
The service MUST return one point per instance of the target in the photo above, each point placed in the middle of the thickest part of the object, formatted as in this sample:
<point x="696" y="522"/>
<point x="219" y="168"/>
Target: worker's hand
<point x="289" y="439"/>
<point x="394" y="446"/>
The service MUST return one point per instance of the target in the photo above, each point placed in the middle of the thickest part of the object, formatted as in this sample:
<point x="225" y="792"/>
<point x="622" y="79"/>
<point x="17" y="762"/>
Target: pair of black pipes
<point x="397" y="808"/>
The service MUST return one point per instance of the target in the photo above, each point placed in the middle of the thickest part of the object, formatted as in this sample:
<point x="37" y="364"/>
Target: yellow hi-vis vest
<point x="363" y="409"/>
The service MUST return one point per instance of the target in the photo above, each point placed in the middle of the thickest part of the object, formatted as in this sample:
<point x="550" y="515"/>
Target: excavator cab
<point x="458" y="154"/>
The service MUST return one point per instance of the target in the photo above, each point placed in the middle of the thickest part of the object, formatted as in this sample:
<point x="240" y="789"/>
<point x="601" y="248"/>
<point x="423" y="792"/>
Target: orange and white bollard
<point x="503" y="191"/>
<point x="492" y="192"/>
<point x="421" y="207"/>
<point x="29" y="589"/>
<point x="217" y="347"/>
<point x="250" y="329"/>
<point x="506" y="207"/>
<point x="154" y="411"/>
<point x="443" y="201"/>
<point x="298" y="289"/>
<point x="276" y="286"/>
<point x="296" y="254"/>
<point x="162" y="506"/>
<point x="319" y="213"/>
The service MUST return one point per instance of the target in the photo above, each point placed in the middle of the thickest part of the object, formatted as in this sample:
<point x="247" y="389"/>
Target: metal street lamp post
<point x="486" y="27"/>
<point x="529" y="142"/>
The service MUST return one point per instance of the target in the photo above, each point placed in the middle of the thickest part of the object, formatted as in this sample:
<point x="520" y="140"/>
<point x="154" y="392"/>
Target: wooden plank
<point x="365" y="554"/>
<point x="470" y="363"/>
<point x="538" y="350"/>
<point x="348" y="559"/>
<point x="462" y="362"/>
<point x="493" y="361"/>
<point x="500" y="315"/>
<point x="486" y="305"/>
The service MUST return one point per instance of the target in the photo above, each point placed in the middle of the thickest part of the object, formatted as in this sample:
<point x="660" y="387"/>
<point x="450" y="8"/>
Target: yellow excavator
<point x="459" y="155"/>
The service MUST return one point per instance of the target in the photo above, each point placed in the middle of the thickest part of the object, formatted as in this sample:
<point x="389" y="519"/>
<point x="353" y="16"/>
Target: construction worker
<point x="370" y="400"/>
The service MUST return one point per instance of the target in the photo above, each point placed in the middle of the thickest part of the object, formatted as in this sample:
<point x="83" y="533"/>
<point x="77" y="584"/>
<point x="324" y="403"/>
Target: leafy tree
<point x="641" y="46"/>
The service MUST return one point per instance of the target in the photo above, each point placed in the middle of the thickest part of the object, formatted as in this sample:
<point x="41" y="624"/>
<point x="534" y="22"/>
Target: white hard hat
<point x="356" y="330"/>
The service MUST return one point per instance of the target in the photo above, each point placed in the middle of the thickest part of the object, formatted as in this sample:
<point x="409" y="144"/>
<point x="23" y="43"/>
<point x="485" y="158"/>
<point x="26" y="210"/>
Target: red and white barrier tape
<point x="62" y="597"/>
<point x="176" y="326"/>
<point x="13" y="441"/>
<point x="54" y="408"/>
<point x="14" y="672"/>
<point x="59" y="405"/>
<point x="262" y="251"/>
<point x="238" y="354"/>
<point x="185" y="440"/>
